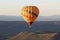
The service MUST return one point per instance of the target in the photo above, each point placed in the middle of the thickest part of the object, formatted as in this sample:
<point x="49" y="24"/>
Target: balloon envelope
<point x="30" y="13"/>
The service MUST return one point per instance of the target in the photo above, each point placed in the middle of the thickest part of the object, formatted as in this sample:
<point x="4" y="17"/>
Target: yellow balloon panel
<point x="29" y="19"/>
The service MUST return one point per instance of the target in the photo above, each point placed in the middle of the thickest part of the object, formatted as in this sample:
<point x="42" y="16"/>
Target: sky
<point x="13" y="7"/>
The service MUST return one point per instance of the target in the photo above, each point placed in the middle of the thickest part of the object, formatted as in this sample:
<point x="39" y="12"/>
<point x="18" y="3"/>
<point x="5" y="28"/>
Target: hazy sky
<point x="46" y="7"/>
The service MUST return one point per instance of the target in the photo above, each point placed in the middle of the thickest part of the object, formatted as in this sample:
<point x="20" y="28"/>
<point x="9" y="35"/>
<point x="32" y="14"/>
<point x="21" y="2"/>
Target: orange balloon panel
<point x="29" y="13"/>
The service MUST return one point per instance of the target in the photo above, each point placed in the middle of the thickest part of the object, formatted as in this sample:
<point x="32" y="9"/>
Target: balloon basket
<point x="28" y="29"/>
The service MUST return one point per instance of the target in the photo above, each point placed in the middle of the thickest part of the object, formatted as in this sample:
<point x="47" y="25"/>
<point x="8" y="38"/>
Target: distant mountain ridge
<point x="10" y="18"/>
<point x="40" y="18"/>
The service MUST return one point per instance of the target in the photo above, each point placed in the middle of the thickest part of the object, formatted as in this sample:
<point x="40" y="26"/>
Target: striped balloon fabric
<point x="29" y="13"/>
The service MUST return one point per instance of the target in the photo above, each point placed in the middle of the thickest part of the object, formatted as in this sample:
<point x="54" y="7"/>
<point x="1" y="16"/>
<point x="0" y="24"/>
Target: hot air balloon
<point x="29" y="13"/>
